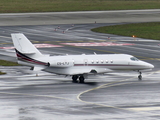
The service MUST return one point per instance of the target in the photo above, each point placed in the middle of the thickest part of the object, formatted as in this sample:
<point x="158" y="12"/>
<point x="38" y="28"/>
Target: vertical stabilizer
<point x="23" y="45"/>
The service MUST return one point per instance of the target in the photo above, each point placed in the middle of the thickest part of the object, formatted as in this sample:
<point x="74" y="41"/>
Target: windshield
<point x="134" y="59"/>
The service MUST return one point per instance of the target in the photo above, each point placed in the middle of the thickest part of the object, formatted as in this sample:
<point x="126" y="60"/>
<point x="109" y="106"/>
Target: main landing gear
<point x="140" y="76"/>
<point x="75" y="77"/>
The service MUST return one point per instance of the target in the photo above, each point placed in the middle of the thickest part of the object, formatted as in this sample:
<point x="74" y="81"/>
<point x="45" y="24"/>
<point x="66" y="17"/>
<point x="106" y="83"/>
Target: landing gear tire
<point x="140" y="76"/>
<point x="81" y="79"/>
<point x="74" y="78"/>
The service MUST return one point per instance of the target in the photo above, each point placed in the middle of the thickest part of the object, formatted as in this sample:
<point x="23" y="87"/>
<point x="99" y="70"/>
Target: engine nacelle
<point x="61" y="63"/>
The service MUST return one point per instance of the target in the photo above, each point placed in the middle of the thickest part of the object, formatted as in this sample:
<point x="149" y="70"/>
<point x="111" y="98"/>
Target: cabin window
<point x="111" y="61"/>
<point x="85" y="61"/>
<point x="134" y="59"/>
<point x="97" y="61"/>
<point x="101" y="61"/>
<point x="106" y="61"/>
<point x="73" y="61"/>
<point x="92" y="61"/>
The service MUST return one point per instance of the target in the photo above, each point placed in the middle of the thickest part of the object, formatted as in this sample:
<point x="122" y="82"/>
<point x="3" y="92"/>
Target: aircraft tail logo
<point x="25" y="50"/>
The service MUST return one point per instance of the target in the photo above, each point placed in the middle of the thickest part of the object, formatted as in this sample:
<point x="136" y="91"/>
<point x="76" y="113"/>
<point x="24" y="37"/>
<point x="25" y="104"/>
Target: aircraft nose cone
<point x="151" y="66"/>
<point x="148" y="65"/>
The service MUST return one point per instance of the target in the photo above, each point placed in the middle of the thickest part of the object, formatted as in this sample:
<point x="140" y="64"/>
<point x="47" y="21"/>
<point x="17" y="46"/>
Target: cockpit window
<point x="134" y="59"/>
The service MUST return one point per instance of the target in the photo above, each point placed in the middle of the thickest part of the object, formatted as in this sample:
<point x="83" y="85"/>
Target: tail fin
<point x="27" y="53"/>
<point x="23" y="45"/>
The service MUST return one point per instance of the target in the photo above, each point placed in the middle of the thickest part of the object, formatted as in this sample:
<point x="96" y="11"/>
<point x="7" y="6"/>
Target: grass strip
<point x="140" y="30"/>
<point x="2" y="73"/>
<point x="8" y="63"/>
<point x="15" y="6"/>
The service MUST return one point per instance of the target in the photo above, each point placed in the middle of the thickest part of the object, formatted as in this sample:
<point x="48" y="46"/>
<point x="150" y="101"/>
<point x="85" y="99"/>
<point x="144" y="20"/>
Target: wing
<point x="89" y="70"/>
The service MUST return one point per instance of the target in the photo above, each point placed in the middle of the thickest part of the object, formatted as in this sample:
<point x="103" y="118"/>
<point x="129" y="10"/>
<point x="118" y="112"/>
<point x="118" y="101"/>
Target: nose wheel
<point x="140" y="76"/>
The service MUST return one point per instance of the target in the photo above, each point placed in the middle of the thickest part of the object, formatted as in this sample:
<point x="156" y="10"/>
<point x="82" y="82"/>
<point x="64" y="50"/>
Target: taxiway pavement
<point x="83" y="17"/>
<point x="23" y="95"/>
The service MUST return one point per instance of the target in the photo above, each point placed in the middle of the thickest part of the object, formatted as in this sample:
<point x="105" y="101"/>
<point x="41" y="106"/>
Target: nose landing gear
<point x="140" y="76"/>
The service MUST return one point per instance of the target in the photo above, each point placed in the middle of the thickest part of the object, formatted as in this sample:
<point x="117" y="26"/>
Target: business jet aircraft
<point x="77" y="66"/>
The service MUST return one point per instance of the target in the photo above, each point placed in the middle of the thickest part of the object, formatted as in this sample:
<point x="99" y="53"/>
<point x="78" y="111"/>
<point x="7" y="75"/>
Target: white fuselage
<point x="81" y="64"/>
<point x="78" y="66"/>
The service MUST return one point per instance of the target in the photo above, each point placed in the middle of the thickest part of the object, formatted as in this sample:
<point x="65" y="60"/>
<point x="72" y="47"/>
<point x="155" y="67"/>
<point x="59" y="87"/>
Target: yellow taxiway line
<point x="111" y="84"/>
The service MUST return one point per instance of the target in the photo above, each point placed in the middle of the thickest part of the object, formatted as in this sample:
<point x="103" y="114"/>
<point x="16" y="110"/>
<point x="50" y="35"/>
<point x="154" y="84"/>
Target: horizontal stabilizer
<point x="29" y="52"/>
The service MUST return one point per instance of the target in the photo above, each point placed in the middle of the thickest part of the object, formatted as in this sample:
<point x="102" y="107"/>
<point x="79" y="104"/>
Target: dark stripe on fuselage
<point x="25" y="58"/>
<point x="102" y="65"/>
